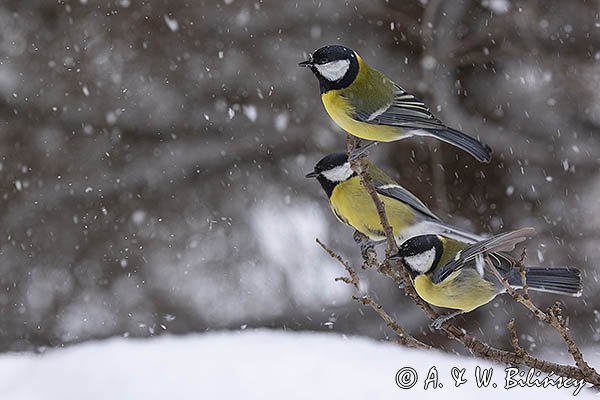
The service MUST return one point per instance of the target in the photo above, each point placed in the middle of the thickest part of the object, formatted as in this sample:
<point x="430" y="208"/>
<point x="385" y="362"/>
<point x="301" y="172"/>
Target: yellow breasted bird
<point x="457" y="275"/>
<point x="367" y="104"/>
<point x="352" y="204"/>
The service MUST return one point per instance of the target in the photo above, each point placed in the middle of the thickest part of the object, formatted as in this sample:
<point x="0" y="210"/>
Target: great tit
<point x="352" y="204"/>
<point x="453" y="274"/>
<point x="367" y="104"/>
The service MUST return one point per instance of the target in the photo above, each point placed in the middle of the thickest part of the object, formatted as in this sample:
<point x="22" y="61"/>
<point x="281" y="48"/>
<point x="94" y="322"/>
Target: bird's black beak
<point x="313" y="174"/>
<point x="306" y="64"/>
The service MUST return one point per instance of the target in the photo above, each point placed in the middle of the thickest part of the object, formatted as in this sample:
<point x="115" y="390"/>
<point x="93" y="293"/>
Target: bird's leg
<point x="359" y="237"/>
<point x="360" y="151"/>
<point x="437" y="323"/>
<point x="365" y="243"/>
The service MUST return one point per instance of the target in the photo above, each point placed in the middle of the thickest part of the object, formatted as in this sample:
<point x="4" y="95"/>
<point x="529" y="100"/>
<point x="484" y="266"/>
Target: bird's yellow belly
<point x="340" y="110"/>
<point x="466" y="293"/>
<point x="353" y="206"/>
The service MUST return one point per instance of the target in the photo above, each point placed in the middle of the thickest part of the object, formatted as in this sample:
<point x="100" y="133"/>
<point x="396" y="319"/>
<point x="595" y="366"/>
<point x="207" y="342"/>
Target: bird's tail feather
<point x="562" y="280"/>
<point x="481" y="151"/>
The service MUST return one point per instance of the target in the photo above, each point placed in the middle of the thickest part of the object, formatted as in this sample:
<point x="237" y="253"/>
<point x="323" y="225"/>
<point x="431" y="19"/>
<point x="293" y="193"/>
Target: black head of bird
<point x="331" y="170"/>
<point x="421" y="253"/>
<point x="334" y="66"/>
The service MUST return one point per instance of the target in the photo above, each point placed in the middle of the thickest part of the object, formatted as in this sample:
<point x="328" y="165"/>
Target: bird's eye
<point x="324" y="60"/>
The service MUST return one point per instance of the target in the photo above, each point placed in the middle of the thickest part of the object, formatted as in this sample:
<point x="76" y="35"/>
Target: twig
<point x="365" y="299"/>
<point x="560" y="324"/>
<point x="353" y="279"/>
<point x="404" y="338"/>
<point x="553" y="317"/>
<point x="522" y="273"/>
<point x="514" y="339"/>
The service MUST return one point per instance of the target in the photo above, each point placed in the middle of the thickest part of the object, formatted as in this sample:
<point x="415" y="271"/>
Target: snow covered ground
<point x="250" y="365"/>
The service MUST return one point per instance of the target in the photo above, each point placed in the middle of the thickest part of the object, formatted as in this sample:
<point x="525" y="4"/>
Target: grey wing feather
<point x="444" y="271"/>
<point x="399" y="193"/>
<point x="406" y="111"/>
<point x="502" y="242"/>
<point x="412" y="115"/>
<point x="496" y="244"/>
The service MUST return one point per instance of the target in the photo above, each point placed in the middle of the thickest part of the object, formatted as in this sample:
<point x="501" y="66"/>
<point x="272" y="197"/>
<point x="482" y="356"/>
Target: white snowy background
<point x="152" y="161"/>
<point x="252" y="365"/>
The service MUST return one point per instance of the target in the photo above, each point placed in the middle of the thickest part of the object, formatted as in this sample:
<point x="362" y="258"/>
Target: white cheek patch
<point x="421" y="262"/>
<point x="339" y="173"/>
<point x="335" y="70"/>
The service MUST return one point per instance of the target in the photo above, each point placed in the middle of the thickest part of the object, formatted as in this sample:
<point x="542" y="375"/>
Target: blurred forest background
<point x="153" y="157"/>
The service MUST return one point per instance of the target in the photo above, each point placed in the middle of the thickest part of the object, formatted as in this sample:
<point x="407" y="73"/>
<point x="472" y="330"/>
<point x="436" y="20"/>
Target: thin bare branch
<point x="553" y="317"/>
<point x="514" y="339"/>
<point x="365" y="299"/>
<point x="353" y="279"/>
<point x="522" y="273"/>
<point x="404" y="338"/>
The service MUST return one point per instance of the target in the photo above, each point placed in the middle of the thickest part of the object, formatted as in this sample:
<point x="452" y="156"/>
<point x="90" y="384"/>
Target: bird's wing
<point x="490" y="249"/>
<point x="387" y="186"/>
<point x="412" y="116"/>
<point x="405" y="111"/>
<point x="502" y="242"/>
<point x="397" y="192"/>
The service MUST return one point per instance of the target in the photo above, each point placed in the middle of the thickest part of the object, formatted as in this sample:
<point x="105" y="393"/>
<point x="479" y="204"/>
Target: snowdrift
<point x="258" y="364"/>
